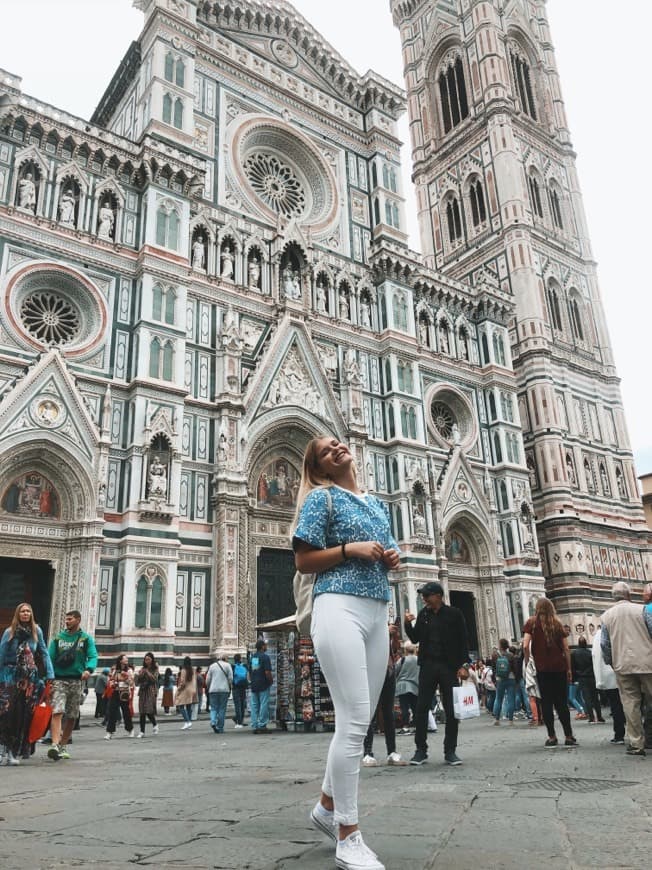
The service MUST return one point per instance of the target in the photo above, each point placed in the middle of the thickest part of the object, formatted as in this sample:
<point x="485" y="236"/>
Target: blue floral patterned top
<point x="352" y="518"/>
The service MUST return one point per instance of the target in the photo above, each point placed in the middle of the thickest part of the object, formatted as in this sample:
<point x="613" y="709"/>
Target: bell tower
<point x="499" y="199"/>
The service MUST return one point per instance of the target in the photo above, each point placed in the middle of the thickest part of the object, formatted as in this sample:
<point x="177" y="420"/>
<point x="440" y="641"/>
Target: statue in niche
<point x="419" y="522"/>
<point x="526" y="529"/>
<point x="620" y="483"/>
<point x="606" y="489"/>
<point x="291" y="283"/>
<point x="371" y="484"/>
<point x="27" y="193"/>
<point x="158" y="482"/>
<point x="351" y="368"/>
<point x="365" y="312"/>
<point x="570" y="471"/>
<point x="227" y="264"/>
<point x="464" y="345"/>
<point x="253" y="273"/>
<point x="344" y="307"/>
<point x="444" y="343"/>
<point x="67" y="209"/>
<point x="321" y="297"/>
<point x="106" y="220"/>
<point x="423" y="332"/>
<point x="198" y="253"/>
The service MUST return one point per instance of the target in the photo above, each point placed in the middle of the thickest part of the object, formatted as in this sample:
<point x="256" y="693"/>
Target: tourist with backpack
<point x="219" y="681"/>
<point x="240" y="684"/>
<point x="505" y="682"/>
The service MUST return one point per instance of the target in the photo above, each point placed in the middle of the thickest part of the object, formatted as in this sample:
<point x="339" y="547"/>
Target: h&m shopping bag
<point x="465" y="702"/>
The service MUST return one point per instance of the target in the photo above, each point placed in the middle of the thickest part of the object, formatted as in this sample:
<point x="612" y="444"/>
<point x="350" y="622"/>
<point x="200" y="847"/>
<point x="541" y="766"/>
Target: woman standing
<point x="343" y="536"/>
<point x="121" y="689"/>
<point x="147" y="680"/>
<point x="168" y="690"/>
<point x="545" y="640"/>
<point x="186" y="692"/>
<point x="23" y="654"/>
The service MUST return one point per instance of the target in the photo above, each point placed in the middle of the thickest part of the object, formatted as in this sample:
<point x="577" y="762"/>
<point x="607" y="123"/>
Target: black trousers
<point x="100" y="706"/>
<point x="617" y="713"/>
<point x="432" y="676"/>
<point x="408" y="702"/>
<point x="554" y="694"/>
<point x="386" y="707"/>
<point x="591" y="700"/>
<point x="115" y="705"/>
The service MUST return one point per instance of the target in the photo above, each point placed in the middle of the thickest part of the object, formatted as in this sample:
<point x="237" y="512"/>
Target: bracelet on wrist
<point x="343" y="545"/>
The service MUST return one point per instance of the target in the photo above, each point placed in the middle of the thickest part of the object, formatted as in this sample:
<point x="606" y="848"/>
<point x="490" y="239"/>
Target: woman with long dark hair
<point x="120" y="687"/>
<point x="147" y="681"/>
<point x="545" y="641"/>
<point x="186" y="692"/>
<point x="169" y="684"/>
<point x="343" y="536"/>
<point x="24" y="666"/>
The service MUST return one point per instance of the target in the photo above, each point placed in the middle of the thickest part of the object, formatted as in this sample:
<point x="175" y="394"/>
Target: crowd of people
<point x="343" y="543"/>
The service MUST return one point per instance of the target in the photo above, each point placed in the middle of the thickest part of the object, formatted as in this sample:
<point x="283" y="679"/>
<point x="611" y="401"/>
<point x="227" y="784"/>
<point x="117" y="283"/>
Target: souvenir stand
<point x="299" y="698"/>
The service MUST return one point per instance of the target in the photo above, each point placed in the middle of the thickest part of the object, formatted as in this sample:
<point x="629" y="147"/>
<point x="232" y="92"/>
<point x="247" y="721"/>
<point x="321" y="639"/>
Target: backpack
<point x="502" y="667"/>
<point x="239" y="674"/>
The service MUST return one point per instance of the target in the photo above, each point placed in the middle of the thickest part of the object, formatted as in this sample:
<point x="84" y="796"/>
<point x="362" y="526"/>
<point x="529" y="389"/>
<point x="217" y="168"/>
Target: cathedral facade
<point x="215" y="269"/>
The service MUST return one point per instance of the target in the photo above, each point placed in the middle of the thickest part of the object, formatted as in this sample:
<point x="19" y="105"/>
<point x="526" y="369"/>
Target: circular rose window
<point x="451" y="419"/>
<point x="279" y="171"/>
<point x="51" y="305"/>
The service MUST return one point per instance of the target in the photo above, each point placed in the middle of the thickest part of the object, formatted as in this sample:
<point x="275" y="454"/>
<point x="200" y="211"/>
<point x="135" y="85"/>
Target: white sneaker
<point x="239" y="726"/>
<point x="11" y="759"/>
<point x="131" y="733"/>
<point x="186" y="725"/>
<point x="395" y="759"/>
<point x="140" y="734"/>
<point x="352" y="854"/>
<point x="108" y="736"/>
<point x="369" y="761"/>
<point x="155" y="729"/>
<point x="324" y="821"/>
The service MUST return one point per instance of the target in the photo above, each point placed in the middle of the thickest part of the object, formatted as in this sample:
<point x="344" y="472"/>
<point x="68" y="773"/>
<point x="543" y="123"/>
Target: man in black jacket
<point x="440" y="631"/>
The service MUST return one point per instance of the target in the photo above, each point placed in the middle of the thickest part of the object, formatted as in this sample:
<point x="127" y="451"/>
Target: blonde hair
<point x="15" y="622"/>
<point x="547" y="615"/>
<point x="311" y="476"/>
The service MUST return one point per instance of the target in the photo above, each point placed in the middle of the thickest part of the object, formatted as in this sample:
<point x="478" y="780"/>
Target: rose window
<point x="444" y="419"/>
<point x="276" y="183"/>
<point x="51" y="319"/>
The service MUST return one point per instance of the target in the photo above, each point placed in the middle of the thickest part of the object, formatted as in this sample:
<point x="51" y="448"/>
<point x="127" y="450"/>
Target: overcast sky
<point x="67" y="50"/>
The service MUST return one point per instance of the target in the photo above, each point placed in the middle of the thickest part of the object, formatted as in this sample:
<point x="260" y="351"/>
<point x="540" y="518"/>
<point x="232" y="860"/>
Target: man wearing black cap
<point x="440" y="631"/>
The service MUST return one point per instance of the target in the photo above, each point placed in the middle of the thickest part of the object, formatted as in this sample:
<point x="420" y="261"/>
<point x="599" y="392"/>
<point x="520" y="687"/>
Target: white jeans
<point x="352" y="644"/>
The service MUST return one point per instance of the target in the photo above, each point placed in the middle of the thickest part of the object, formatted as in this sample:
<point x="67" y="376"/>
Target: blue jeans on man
<point x="259" y="702"/>
<point x="505" y="687"/>
<point x="218" y="701"/>
<point x="522" y="698"/>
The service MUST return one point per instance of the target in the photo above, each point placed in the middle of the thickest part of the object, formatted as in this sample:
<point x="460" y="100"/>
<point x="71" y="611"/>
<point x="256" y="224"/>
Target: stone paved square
<point x="240" y="802"/>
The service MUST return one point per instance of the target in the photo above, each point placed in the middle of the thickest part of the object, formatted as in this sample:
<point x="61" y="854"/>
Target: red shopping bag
<point x="41" y="717"/>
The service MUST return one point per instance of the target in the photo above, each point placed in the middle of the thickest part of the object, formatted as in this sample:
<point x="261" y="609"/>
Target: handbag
<point x="531" y="682"/>
<point x="303" y="584"/>
<point x="108" y="692"/>
<point x="465" y="702"/>
<point x="40" y="718"/>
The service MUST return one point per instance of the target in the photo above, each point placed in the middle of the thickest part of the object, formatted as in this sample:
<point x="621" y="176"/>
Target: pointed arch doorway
<point x="29" y="580"/>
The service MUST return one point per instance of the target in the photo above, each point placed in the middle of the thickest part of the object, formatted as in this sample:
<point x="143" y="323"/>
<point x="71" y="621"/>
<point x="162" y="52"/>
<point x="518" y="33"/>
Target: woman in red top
<point x="545" y="640"/>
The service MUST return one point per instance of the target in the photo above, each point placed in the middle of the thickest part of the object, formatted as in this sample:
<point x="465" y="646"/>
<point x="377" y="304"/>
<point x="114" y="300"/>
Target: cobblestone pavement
<point x="238" y="801"/>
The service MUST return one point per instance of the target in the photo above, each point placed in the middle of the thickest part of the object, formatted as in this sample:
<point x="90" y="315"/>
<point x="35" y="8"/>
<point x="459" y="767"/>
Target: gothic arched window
<point x="555" y="309"/>
<point x="169" y="67"/>
<point x="412" y="423"/>
<point x="180" y="74"/>
<point x="498" y="450"/>
<point x="535" y="196"/>
<point x="576" y="318"/>
<point x="157" y="302"/>
<point x="492" y="406"/>
<point x="555" y="207"/>
<point x="167" y="228"/>
<point x="454" y="220"/>
<point x="140" y="620"/>
<point x="452" y="93"/>
<point x="523" y="82"/>
<point x="178" y="113"/>
<point x="499" y="349"/>
<point x="478" y="208"/>
<point x="167" y="109"/>
<point x="149" y="601"/>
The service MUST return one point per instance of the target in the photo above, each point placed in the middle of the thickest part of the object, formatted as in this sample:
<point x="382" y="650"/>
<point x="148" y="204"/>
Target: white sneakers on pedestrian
<point x="108" y="736"/>
<point x="140" y="734"/>
<point x="238" y="726"/>
<point x="324" y="821"/>
<point x="395" y="759"/>
<point x="369" y="761"/>
<point x="352" y="854"/>
<point x="131" y="733"/>
<point x="155" y="729"/>
<point x="186" y="725"/>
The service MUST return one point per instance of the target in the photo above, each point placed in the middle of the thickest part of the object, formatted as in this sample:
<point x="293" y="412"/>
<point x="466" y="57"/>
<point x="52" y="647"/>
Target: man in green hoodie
<point x="74" y="657"/>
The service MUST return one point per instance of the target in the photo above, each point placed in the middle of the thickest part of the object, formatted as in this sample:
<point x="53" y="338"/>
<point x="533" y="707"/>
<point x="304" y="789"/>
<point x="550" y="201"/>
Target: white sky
<point x="67" y="50"/>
